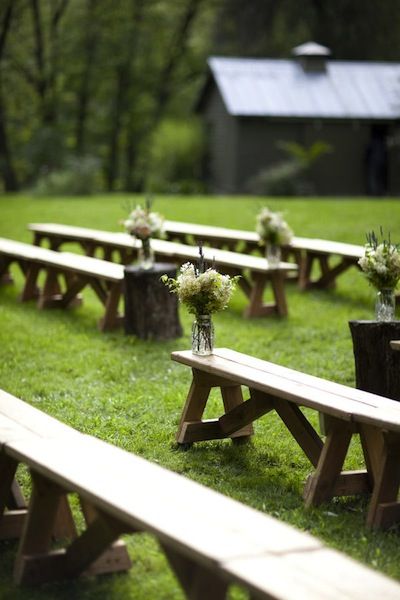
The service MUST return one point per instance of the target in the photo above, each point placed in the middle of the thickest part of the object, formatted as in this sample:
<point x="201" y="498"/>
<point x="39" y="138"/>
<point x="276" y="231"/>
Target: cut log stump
<point x="377" y="365"/>
<point x="151" y="311"/>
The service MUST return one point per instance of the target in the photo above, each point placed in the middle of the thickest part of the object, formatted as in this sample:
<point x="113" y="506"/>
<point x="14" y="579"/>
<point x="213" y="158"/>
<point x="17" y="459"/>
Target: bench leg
<point x="255" y="293"/>
<point x="197" y="581"/>
<point x="51" y="293"/>
<point x="320" y="486"/>
<point x="31" y="290"/>
<point x="300" y="428"/>
<point x="192" y="428"/>
<point x="11" y="521"/>
<point x="305" y="269"/>
<point x="94" y="551"/>
<point x="5" y="275"/>
<point x="111" y="320"/>
<point x="382" y="450"/>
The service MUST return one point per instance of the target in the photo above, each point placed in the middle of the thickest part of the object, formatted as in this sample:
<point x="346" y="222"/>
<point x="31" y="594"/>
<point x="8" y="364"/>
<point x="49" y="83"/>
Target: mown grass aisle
<point x="129" y="392"/>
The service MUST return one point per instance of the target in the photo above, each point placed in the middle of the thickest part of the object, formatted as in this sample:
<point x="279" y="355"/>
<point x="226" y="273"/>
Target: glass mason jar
<point x="385" y="305"/>
<point x="203" y="335"/>
<point x="146" y="254"/>
<point x="273" y="254"/>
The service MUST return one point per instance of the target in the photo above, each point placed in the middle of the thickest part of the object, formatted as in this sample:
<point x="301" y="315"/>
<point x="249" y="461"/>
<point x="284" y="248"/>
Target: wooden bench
<point x="346" y="411"/>
<point x="395" y="344"/>
<point x="209" y="540"/>
<point x="306" y="251"/>
<point x="254" y="271"/>
<point x="66" y="276"/>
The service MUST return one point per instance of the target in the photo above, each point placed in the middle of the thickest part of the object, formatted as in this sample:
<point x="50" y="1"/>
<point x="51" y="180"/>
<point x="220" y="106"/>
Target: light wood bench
<point x="306" y="251"/>
<point x="346" y="411"/>
<point x="66" y="276"/>
<point x="255" y="273"/>
<point x="209" y="540"/>
<point x="395" y="344"/>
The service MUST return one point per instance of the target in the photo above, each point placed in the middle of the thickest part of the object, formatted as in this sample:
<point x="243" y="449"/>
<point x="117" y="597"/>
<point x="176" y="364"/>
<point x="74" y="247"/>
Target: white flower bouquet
<point x="272" y="228"/>
<point x="203" y="293"/>
<point x="143" y="223"/>
<point x="381" y="263"/>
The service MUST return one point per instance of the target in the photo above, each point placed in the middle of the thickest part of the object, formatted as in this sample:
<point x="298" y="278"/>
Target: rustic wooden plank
<point x="200" y="431"/>
<point x="320" y="574"/>
<point x="321" y="486"/>
<point x="351" y="483"/>
<point x="8" y="467"/>
<point x="247" y="412"/>
<point x="39" y="524"/>
<point x="23" y="419"/>
<point x="85" y="265"/>
<point x="194" y="406"/>
<point x="329" y="397"/>
<point x="178" y="519"/>
<point x="232" y="397"/>
<point x="271" y="383"/>
<point x="12" y="524"/>
<point x="226" y="261"/>
<point x="387" y="481"/>
<point x="198" y="582"/>
<point x="301" y="429"/>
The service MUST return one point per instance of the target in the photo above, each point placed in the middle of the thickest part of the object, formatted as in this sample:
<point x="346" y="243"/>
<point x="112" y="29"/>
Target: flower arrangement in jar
<point x="381" y="266"/>
<point x="274" y="232"/>
<point x="144" y="224"/>
<point x="203" y="291"/>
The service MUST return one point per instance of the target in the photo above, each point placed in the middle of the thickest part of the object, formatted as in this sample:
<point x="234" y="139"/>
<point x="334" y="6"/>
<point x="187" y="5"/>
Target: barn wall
<point x="340" y="172"/>
<point x="222" y="145"/>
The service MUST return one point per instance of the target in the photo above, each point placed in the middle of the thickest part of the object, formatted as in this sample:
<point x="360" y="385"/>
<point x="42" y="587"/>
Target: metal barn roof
<point x="282" y="88"/>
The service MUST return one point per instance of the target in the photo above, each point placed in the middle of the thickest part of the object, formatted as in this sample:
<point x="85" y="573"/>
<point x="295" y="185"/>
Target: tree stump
<point x="377" y="365"/>
<point x="151" y="311"/>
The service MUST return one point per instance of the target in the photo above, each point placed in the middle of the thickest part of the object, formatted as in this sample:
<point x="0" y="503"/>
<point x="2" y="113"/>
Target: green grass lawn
<point x="129" y="392"/>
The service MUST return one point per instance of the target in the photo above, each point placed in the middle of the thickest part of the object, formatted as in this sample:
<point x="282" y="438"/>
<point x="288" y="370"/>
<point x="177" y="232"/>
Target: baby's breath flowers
<point x="381" y="262"/>
<point x="272" y="228"/>
<point x="143" y="223"/>
<point x="203" y="293"/>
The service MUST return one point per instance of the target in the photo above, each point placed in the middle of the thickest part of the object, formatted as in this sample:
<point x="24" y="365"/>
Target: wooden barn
<point x="251" y="105"/>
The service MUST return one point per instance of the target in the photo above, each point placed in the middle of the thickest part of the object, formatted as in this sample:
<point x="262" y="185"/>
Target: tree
<point x="6" y="163"/>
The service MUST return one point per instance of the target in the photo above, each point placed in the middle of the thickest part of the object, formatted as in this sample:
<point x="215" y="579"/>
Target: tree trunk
<point x="83" y="94"/>
<point x="6" y="165"/>
<point x="377" y="366"/>
<point x="151" y="311"/>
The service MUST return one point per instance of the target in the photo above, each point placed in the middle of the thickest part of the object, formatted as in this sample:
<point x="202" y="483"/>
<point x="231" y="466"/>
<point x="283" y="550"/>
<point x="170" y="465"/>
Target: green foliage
<point x="306" y="157"/>
<point x="281" y="179"/>
<point x="80" y="176"/>
<point x="289" y="177"/>
<point x="128" y="391"/>
<point x="176" y="157"/>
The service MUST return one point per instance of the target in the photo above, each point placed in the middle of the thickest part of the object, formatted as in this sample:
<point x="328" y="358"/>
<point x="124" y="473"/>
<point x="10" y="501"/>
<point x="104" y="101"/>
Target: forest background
<point x="100" y="95"/>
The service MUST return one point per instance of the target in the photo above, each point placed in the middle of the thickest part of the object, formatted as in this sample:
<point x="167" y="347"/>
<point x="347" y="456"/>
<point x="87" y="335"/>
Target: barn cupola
<point x="312" y="56"/>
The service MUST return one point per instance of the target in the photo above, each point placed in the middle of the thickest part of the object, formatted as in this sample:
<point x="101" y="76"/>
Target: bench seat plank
<point x="335" y="576"/>
<point x="176" y="519"/>
<point x="20" y="414"/>
<point x="302" y="389"/>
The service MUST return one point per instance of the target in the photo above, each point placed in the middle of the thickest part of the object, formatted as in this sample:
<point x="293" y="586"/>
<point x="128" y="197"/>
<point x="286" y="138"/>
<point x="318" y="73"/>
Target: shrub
<point x="176" y="157"/>
<point x="290" y="177"/>
<point x="281" y="179"/>
<point x="79" y="176"/>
